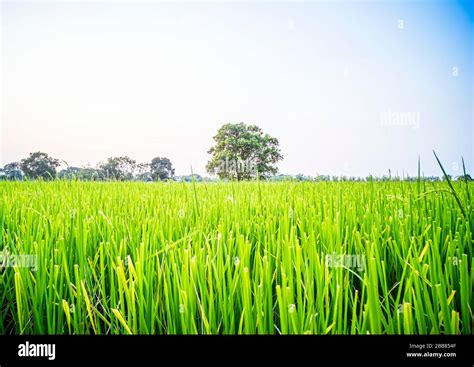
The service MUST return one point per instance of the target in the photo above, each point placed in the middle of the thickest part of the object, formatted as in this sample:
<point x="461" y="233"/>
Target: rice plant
<point x="237" y="258"/>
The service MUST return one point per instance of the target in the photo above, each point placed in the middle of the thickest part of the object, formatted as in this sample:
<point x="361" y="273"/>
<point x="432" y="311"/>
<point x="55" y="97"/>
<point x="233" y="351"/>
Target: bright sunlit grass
<point x="177" y="258"/>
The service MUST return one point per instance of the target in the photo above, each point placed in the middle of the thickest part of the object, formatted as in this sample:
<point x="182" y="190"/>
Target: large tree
<point x="39" y="165"/>
<point x="118" y="168"/>
<point x="161" y="169"/>
<point x="243" y="152"/>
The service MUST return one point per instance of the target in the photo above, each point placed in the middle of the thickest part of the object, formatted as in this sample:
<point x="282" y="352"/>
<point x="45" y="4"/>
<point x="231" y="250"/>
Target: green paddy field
<point x="228" y="258"/>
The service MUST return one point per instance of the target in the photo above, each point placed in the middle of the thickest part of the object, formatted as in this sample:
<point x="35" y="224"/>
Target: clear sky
<point x="348" y="88"/>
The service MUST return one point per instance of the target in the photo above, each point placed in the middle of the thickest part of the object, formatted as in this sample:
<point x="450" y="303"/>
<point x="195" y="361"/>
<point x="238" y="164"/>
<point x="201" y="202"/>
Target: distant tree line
<point x="40" y="165"/>
<point x="334" y="178"/>
<point x="241" y="152"/>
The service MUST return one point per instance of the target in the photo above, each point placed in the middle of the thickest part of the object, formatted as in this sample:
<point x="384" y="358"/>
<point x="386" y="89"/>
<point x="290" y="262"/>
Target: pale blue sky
<point x="348" y="88"/>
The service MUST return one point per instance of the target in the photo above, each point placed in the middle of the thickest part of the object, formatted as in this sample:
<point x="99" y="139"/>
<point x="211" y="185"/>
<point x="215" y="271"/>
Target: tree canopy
<point x="118" y="168"/>
<point x="161" y="169"/>
<point x="243" y="152"/>
<point x="12" y="171"/>
<point x="39" y="165"/>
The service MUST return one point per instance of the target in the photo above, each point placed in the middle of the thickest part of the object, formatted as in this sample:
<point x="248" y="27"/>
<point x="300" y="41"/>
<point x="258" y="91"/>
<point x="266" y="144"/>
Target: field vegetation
<point x="237" y="257"/>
